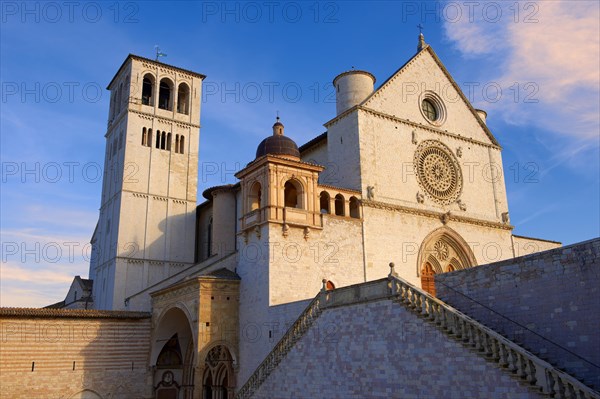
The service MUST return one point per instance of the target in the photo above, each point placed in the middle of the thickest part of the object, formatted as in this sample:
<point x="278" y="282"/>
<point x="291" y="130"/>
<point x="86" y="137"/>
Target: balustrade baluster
<point x="495" y="354"/>
<point x="558" y="389"/>
<point x="520" y="365"/>
<point x="511" y="360"/>
<point x="530" y="371"/>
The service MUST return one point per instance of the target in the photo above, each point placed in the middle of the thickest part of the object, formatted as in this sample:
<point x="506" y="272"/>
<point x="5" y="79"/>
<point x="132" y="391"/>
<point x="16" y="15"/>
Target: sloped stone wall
<point x="381" y="350"/>
<point x="549" y="302"/>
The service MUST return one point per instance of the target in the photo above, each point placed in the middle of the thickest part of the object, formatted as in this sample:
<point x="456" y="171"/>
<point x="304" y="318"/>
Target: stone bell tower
<point x="145" y="231"/>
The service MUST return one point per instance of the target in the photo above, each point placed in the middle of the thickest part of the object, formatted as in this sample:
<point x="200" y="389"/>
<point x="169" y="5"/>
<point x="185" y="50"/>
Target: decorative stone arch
<point x="166" y="91"/>
<point x="148" y="85"/>
<point x="174" y="323"/>
<point x="340" y="205"/>
<point x="354" y="207"/>
<point x="255" y="196"/>
<point x="293" y="193"/>
<point x="86" y="394"/>
<point x="442" y="251"/>
<point x="183" y="98"/>
<point x="218" y="378"/>
<point x="324" y="202"/>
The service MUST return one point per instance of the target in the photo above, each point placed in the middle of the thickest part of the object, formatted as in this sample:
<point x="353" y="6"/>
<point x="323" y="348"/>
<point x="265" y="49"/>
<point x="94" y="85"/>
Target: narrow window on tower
<point x="209" y="238"/>
<point x="149" y="138"/>
<point x="181" y="145"/>
<point x="163" y="138"/>
<point x="120" y="140"/>
<point x="144" y="136"/>
<point x="169" y="141"/>
<point x="157" y="139"/>
<point x="118" y="100"/>
<point x="176" y="143"/>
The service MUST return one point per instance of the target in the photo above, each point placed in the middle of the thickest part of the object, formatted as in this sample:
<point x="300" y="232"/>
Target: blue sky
<point x="262" y="57"/>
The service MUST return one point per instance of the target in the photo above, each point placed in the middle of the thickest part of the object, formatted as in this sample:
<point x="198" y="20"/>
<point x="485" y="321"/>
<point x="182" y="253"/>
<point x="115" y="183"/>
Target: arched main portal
<point x="442" y="251"/>
<point x="173" y="355"/>
<point x="218" y="382"/>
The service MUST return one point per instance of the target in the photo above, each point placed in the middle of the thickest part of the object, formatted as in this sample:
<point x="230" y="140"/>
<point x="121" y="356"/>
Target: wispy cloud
<point x="552" y="59"/>
<point x="26" y="286"/>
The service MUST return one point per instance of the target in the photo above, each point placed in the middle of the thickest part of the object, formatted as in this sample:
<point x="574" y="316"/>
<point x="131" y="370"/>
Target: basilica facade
<point x="407" y="172"/>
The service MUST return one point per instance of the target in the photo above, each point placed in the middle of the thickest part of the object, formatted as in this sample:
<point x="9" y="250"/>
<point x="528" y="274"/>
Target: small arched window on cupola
<point x="324" y="202"/>
<point x="354" y="208"/>
<point x="183" y="99"/>
<point x="255" y="196"/>
<point x="292" y="194"/>
<point x="165" y="100"/>
<point x="340" y="204"/>
<point x="148" y="89"/>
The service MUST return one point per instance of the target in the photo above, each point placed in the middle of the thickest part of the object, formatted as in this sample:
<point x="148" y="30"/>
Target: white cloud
<point x="555" y="61"/>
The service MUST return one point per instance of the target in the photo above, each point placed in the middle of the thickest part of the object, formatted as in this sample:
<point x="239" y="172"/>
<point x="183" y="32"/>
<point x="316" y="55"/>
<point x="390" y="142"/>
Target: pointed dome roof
<point x="278" y="144"/>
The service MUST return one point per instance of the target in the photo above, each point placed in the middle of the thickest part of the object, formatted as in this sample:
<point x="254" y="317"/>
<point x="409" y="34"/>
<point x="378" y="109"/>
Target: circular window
<point x="429" y="110"/>
<point x="432" y="108"/>
<point x="438" y="172"/>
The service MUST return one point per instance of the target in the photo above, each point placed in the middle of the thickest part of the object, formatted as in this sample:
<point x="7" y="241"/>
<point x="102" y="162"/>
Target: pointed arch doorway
<point x="442" y="251"/>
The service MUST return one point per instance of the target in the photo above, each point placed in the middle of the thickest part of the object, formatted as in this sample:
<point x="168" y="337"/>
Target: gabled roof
<point x="320" y="139"/>
<point x="437" y="60"/>
<point x="223" y="273"/>
<point x="85" y="283"/>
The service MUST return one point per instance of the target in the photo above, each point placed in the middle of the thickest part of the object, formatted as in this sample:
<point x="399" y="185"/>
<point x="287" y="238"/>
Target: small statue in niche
<point x="414" y="137"/>
<point x="285" y="230"/>
<point x="306" y="233"/>
<point x="505" y="217"/>
<point x="420" y="198"/>
<point x="371" y="193"/>
<point x="445" y="218"/>
<point x="461" y="205"/>
<point x="459" y="152"/>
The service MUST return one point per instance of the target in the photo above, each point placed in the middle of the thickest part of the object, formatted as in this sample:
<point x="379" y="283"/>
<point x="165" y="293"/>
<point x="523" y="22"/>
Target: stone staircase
<point x="529" y="369"/>
<point x="289" y="339"/>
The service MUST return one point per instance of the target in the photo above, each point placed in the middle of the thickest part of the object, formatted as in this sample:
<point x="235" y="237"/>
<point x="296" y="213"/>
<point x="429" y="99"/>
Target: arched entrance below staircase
<point x="442" y="251"/>
<point x="173" y="355"/>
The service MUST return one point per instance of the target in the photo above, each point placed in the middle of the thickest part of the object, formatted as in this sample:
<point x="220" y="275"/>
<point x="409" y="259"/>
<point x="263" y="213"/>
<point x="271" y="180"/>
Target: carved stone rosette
<point x="438" y="172"/>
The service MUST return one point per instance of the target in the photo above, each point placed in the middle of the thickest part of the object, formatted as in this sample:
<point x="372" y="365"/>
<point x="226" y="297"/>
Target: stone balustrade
<point x="293" y="334"/>
<point x="490" y="344"/>
<point x="508" y="355"/>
